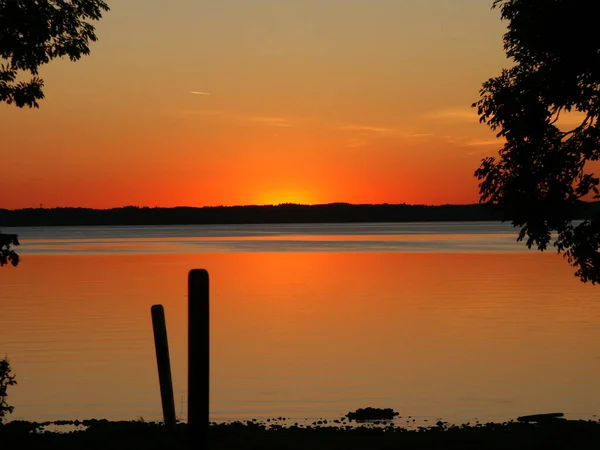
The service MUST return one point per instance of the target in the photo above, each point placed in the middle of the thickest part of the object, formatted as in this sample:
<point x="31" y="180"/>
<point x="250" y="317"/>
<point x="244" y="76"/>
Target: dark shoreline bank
<point x="103" y="434"/>
<point x="286" y="213"/>
<point x="270" y="214"/>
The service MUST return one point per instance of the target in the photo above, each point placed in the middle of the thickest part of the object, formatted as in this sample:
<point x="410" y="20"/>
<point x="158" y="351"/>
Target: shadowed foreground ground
<point x="102" y="434"/>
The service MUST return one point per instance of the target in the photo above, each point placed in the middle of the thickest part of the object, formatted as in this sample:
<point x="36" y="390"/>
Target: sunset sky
<point x="203" y="102"/>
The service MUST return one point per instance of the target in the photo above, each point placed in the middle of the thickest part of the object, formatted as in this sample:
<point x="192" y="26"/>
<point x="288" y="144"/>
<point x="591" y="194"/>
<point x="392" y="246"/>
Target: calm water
<point x="452" y="321"/>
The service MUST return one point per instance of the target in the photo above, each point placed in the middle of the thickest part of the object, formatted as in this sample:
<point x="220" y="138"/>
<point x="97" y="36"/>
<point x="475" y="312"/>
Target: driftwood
<point x="540" y="417"/>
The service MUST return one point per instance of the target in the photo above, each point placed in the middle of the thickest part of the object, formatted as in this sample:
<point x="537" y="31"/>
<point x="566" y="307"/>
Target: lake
<point x="436" y="320"/>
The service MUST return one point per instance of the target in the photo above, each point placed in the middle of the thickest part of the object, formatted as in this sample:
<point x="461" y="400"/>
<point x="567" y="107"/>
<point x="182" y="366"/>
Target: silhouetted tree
<point x="32" y="33"/>
<point x="542" y="172"/>
<point x="6" y="379"/>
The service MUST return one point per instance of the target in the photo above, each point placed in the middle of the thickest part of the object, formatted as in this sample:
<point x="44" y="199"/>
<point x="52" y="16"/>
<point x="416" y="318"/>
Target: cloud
<point x="201" y="112"/>
<point x="420" y="135"/>
<point x="460" y="115"/>
<point x="368" y="128"/>
<point x="483" y="143"/>
<point x="281" y="122"/>
<point x="199" y="93"/>
<point x="364" y="130"/>
<point x="355" y="143"/>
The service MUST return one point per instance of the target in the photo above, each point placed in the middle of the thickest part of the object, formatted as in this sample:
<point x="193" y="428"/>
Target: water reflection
<point x="452" y="335"/>
<point x="396" y="237"/>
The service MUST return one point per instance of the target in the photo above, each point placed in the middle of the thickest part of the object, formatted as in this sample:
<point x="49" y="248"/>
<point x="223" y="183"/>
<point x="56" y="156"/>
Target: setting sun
<point x="300" y="101"/>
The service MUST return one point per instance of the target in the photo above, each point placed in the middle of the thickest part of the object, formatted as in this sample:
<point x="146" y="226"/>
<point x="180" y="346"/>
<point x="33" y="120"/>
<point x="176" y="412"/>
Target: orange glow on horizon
<point x="304" y="107"/>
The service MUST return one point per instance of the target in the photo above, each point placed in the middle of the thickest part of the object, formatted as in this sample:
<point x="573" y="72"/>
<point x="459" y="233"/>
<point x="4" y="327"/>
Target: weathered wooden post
<point x="198" y="357"/>
<point x="163" y="361"/>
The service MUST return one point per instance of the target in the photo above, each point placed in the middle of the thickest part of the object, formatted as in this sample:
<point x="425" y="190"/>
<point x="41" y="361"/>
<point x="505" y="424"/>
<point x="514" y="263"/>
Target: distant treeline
<point x="285" y="213"/>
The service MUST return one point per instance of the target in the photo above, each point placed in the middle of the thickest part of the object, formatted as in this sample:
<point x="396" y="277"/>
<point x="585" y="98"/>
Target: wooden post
<point x="163" y="362"/>
<point x="198" y="357"/>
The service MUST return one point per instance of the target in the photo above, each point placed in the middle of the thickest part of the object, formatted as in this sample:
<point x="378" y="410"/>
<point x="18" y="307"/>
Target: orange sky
<point x="311" y="101"/>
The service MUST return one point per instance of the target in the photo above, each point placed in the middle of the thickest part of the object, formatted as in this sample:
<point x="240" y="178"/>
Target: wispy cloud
<point x="461" y="115"/>
<point x="355" y="143"/>
<point x="201" y="112"/>
<point x="485" y="143"/>
<point x="280" y="122"/>
<point x="368" y="128"/>
<point x="199" y="93"/>
<point x="420" y="135"/>
<point x="365" y="131"/>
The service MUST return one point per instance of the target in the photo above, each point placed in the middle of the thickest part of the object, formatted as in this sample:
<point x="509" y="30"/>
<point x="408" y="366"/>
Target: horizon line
<point x="242" y="206"/>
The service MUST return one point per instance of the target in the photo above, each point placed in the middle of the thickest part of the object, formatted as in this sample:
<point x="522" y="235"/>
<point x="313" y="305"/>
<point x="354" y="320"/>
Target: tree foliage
<point x="6" y="379"/>
<point x="7" y="254"/>
<point x="34" y="32"/>
<point x="543" y="173"/>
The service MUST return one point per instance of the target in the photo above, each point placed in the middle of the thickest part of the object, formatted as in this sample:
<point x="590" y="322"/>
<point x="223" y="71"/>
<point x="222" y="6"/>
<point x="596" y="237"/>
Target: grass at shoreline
<point x="103" y="434"/>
